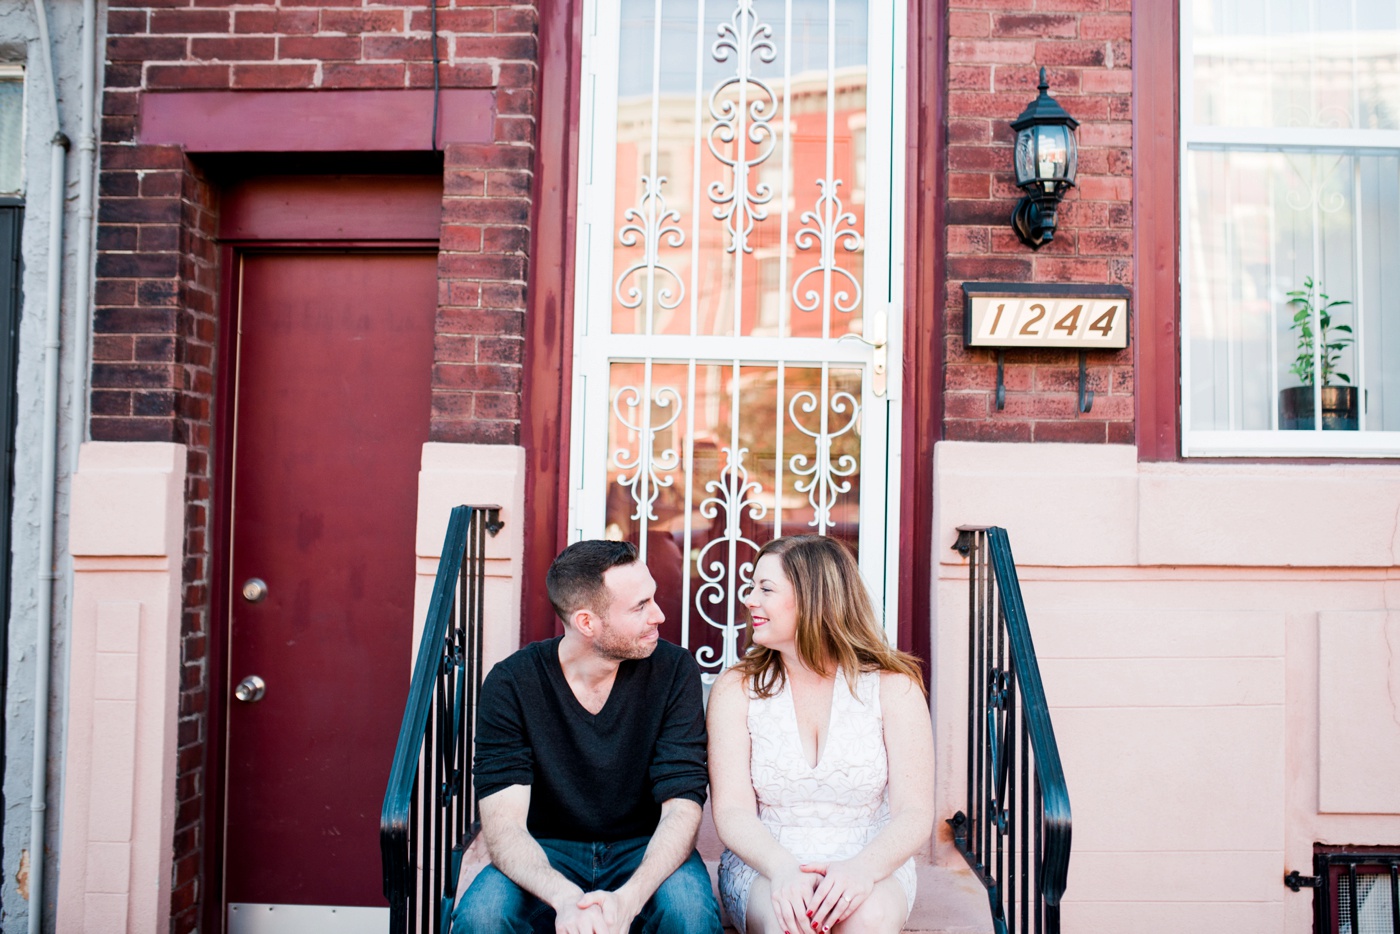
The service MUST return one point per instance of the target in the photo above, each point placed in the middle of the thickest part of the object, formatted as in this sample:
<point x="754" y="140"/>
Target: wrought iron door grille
<point x="1357" y="893"/>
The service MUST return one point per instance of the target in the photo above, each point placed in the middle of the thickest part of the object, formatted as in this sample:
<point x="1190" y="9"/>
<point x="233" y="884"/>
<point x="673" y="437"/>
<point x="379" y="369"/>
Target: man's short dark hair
<point x="575" y="579"/>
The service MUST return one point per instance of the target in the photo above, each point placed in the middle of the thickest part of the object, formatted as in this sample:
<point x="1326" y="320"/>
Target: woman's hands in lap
<point x="844" y="886"/>
<point x="792" y="895"/>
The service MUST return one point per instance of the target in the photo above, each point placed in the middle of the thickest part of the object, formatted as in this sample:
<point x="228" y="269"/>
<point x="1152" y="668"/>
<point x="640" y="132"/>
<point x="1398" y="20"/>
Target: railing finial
<point x="494" y="523"/>
<point x="967" y="537"/>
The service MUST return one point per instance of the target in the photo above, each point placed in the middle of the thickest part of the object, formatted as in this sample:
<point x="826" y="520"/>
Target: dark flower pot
<point x="1339" y="408"/>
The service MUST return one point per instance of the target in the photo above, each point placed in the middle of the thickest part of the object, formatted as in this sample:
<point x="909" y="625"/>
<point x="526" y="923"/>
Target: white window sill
<point x="1332" y="444"/>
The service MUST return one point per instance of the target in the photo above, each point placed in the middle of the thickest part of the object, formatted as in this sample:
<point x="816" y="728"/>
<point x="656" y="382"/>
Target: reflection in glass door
<point x="738" y="258"/>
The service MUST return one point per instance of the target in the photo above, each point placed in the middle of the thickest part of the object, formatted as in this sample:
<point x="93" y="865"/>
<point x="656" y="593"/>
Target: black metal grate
<point x="429" y="818"/>
<point x="1357" y="893"/>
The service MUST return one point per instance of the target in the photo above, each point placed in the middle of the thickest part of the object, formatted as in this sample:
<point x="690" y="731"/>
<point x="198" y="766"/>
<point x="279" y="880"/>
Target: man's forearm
<point x="671" y="844"/>
<point x="520" y="857"/>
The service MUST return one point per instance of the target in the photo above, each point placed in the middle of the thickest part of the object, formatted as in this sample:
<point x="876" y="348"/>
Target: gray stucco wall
<point x="19" y="44"/>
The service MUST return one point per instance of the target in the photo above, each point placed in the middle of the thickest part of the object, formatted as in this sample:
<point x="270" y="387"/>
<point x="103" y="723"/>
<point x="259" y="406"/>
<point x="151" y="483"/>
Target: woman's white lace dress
<point x="824" y="813"/>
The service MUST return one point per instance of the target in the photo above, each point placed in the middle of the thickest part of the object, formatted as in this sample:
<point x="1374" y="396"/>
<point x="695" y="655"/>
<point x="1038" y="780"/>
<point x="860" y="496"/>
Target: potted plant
<point x="1339" y="403"/>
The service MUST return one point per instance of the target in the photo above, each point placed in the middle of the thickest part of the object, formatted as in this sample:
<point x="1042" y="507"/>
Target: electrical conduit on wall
<point x="83" y="271"/>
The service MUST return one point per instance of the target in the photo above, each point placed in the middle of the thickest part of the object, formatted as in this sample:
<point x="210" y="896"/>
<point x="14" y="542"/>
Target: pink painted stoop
<point x="950" y="899"/>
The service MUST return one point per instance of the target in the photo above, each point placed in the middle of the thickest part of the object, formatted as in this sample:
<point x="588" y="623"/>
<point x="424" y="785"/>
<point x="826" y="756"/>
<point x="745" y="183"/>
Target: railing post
<point x="425" y="826"/>
<point x="1015" y="833"/>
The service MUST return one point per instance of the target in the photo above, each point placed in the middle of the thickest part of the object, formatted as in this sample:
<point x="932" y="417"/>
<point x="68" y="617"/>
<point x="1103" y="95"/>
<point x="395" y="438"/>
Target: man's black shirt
<point x="593" y="777"/>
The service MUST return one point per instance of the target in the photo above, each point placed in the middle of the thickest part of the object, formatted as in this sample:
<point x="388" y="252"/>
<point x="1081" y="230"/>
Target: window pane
<point x="1280" y="245"/>
<point x="1296" y="63"/>
<point x="777" y="119"/>
<point x="11" y="135"/>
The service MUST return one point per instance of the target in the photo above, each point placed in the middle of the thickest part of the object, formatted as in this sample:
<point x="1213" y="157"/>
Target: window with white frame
<point x="11" y="129"/>
<point x="1290" y="187"/>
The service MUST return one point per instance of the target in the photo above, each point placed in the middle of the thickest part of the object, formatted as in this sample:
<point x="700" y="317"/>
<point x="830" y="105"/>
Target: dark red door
<point x="334" y="364"/>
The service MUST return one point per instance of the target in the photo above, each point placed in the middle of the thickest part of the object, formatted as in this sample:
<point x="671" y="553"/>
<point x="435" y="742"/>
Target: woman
<point x="821" y="754"/>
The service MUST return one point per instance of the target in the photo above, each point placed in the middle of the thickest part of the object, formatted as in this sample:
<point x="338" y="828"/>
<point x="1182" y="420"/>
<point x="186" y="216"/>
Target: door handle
<point x="251" y="689"/>
<point x="879" y="361"/>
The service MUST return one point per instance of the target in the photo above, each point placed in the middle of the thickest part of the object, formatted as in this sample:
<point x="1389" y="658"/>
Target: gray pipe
<point x="48" y="481"/>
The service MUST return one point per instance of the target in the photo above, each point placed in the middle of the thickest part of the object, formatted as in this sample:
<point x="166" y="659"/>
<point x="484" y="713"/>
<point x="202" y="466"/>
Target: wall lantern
<point x="1047" y="159"/>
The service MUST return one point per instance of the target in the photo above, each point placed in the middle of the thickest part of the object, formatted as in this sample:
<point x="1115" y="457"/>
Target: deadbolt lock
<point x="255" y="590"/>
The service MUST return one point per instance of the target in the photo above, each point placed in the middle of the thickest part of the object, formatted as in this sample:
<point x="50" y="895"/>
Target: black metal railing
<point x="1015" y="832"/>
<point x="1357" y="892"/>
<point x="429" y="817"/>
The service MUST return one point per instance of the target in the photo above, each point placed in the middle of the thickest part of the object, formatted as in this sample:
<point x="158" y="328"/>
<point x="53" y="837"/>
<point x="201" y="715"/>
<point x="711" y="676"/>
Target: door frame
<point x="269" y="230"/>
<point x="547" y="402"/>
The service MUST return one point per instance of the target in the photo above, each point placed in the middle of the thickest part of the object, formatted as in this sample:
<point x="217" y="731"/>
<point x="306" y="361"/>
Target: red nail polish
<point x="809" y="914"/>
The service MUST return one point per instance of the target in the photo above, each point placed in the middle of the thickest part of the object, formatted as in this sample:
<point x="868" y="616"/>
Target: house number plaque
<point x="1076" y="317"/>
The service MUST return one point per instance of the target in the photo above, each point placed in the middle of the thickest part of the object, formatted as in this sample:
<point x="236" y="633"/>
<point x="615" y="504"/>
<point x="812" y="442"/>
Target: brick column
<point x="995" y="51"/>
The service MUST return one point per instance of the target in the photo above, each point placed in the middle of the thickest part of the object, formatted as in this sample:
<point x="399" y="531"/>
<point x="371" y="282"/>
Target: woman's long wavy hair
<point x="836" y="623"/>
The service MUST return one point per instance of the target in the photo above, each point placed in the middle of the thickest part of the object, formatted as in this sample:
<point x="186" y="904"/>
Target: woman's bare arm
<point x="735" y="807"/>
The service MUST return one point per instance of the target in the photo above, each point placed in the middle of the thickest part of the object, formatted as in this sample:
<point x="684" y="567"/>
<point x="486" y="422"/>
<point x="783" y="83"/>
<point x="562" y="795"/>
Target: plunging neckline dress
<point x="818" y="813"/>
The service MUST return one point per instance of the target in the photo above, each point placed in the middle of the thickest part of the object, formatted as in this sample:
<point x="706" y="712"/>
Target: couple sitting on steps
<point x="591" y="761"/>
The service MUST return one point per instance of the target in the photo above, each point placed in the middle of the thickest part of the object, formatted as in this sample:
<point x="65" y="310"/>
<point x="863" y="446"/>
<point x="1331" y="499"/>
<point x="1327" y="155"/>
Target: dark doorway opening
<point x="11" y="225"/>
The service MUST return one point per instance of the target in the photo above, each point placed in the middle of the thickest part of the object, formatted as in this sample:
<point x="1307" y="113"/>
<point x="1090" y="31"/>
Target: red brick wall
<point x="214" y="44"/>
<point x="155" y="323"/>
<point x="479" y="353"/>
<point x="995" y="50"/>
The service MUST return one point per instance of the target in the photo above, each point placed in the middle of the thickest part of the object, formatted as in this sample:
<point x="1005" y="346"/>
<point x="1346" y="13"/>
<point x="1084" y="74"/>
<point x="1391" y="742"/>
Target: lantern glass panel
<point x="1025" y="157"/>
<point x="1052" y="153"/>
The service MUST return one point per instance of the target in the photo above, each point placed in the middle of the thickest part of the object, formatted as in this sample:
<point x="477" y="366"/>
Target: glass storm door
<point x="736" y="355"/>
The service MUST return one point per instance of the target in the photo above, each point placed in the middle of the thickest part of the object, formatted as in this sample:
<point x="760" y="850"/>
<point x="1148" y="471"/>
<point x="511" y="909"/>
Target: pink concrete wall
<point x="126" y="533"/>
<point x="1219" y="661"/>
<point x="474" y="475"/>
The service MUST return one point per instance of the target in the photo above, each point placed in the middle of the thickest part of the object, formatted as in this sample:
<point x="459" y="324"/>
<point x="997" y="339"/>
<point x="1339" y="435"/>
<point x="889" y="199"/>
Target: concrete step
<point x="950" y="900"/>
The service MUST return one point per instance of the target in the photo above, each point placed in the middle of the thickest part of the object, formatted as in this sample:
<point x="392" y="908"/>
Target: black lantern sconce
<point x="1047" y="160"/>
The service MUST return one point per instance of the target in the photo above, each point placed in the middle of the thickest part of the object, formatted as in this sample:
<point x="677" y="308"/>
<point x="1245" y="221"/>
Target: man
<point x="590" y="767"/>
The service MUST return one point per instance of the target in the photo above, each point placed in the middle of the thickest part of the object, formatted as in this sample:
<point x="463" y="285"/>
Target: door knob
<point x="255" y="590"/>
<point x="251" y="689"/>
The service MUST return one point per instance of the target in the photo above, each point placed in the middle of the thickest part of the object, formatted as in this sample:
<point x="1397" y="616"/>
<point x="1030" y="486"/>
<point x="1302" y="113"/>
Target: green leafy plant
<point x="1335" y="337"/>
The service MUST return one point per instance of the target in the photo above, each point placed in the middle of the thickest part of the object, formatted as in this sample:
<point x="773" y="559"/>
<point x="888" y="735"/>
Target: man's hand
<point x="582" y="918"/>
<point x="618" y="908"/>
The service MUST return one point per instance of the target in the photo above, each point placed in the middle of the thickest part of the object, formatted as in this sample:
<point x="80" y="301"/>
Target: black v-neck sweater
<point x="594" y="777"/>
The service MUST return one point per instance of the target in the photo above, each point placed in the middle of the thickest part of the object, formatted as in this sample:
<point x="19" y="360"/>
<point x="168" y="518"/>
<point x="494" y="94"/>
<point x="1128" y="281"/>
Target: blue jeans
<point x="684" y="904"/>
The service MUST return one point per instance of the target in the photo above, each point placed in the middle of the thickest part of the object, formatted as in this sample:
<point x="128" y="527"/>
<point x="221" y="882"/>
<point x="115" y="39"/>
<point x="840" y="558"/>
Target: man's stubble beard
<point x="610" y="645"/>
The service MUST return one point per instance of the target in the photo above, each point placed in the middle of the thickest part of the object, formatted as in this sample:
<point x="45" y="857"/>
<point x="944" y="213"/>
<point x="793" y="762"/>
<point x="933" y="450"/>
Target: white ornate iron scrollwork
<point x="1313" y="191"/>
<point x="651" y="223"/>
<point x="739" y="206"/>
<point x="826" y="479"/>
<point x="641" y="472"/>
<point x="823" y="225"/>
<point x="734" y="493"/>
